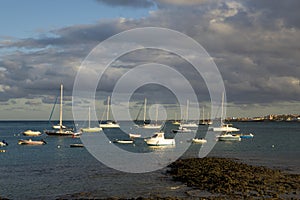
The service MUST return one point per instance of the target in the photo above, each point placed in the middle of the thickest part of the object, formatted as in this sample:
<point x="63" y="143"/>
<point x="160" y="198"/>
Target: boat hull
<point x="91" y="130"/>
<point x="165" y="142"/>
<point x="32" y="133"/>
<point x="124" y="141"/>
<point x="149" y="126"/>
<point x="109" y="125"/>
<point x="59" y="133"/>
<point x="190" y="125"/>
<point x="229" y="137"/>
<point x="199" y="141"/>
<point x="31" y="142"/>
<point x="247" y="136"/>
<point x="76" y="145"/>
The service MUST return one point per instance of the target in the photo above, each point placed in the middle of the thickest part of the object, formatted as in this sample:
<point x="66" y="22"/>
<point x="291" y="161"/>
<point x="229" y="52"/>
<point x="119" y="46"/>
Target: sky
<point x="254" y="43"/>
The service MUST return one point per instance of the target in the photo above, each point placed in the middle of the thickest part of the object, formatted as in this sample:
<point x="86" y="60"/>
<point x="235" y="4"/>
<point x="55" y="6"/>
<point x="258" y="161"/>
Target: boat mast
<point x="145" y="110"/>
<point x="203" y="115"/>
<point x="156" y="117"/>
<point x="187" y="110"/>
<point x="61" y="103"/>
<point x="107" y="114"/>
<point x="222" y="113"/>
<point x="89" y="117"/>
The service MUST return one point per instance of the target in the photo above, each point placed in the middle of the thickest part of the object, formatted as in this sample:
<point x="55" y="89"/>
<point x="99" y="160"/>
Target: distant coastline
<point x="267" y="118"/>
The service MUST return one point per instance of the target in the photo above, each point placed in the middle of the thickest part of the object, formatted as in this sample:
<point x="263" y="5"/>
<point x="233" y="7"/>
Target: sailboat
<point x="89" y="128"/>
<point x="109" y="123"/>
<point x="204" y="121"/>
<point x="188" y="124"/>
<point x="150" y="126"/>
<point x="55" y="126"/>
<point x="224" y="127"/>
<point x="61" y="131"/>
<point x="176" y="122"/>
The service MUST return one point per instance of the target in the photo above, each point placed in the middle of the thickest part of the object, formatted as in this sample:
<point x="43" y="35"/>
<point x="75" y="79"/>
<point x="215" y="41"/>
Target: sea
<point x="55" y="170"/>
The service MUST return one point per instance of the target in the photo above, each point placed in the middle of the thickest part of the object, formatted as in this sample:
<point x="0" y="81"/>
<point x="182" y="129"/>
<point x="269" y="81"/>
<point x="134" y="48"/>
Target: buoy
<point x="273" y="145"/>
<point x="58" y="146"/>
<point x="2" y="150"/>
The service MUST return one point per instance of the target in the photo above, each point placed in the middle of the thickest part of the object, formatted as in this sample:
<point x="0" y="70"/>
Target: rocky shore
<point x="231" y="179"/>
<point x="222" y="178"/>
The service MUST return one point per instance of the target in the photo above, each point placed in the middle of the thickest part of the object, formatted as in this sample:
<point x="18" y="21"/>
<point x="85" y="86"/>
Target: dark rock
<point x="234" y="179"/>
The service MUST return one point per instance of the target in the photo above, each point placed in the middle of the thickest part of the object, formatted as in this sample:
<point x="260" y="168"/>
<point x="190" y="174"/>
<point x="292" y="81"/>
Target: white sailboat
<point x="176" y="122"/>
<point x="150" y="126"/>
<point x="61" y="131"/>
<point x="188" y="124"/>
<point x="109" y="123"/>
<point x="225" y="128"/>
<point x="204" y="121"/>
<point x="89" y="128"/>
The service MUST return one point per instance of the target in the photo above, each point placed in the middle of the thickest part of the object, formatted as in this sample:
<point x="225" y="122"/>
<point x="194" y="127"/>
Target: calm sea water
<point x="55" y="169"/>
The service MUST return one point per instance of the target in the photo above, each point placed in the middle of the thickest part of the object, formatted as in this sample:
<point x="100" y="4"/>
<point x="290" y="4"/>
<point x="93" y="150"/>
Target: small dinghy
<point x="124" y="141"/>
<point x="199" y="140"/>
<point x="132" y="135"/>
<point x="32" y="133"/>
<point x="76" y="145"/>
<point x="32" y="142"/>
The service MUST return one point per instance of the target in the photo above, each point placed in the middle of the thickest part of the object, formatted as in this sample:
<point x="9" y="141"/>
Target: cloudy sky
<point x="254" y="43"/>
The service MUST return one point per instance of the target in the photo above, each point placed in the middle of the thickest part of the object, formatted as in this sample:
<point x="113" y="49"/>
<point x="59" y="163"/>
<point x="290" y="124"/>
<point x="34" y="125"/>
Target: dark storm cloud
<point x="128" y="3"/>
<point x="255" y="45"/>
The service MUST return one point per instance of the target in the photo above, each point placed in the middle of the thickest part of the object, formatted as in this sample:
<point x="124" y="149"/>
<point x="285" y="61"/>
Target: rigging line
<point x="141" y="108"/>
<point x="53" y="109"/>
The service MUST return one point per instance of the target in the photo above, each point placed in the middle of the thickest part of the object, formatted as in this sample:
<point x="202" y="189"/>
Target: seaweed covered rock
<point x="235" y="179"/>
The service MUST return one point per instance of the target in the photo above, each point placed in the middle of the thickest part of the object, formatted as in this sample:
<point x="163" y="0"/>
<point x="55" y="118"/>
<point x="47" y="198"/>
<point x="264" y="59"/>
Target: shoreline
<point x="218" y="178"/>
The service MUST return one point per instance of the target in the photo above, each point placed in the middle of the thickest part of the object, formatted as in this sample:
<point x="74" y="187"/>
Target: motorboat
<point x="3" y="143"/>
<point x="31" y="142"/>
<point x="158" y="139"/>
<point x="31" y="133"/>
<point x="199" y="140"/>
<point x="229" y="137"/>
